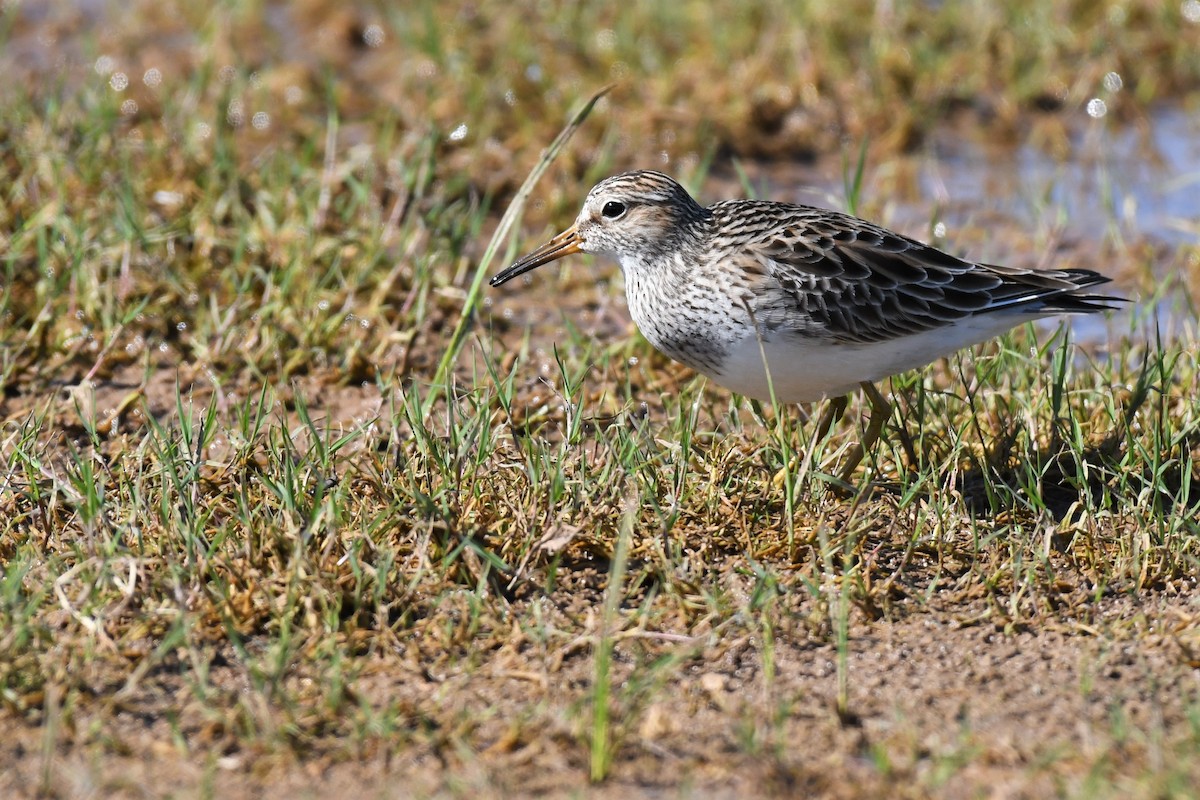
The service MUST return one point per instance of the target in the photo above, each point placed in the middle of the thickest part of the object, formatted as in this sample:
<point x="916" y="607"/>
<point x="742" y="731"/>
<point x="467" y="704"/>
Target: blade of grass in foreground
<point x="511" y="215"/>
<point x="602" y="746"/>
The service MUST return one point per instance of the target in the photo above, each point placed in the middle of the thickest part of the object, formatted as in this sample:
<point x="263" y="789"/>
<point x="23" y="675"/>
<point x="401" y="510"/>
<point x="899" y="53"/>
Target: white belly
<point x="807" y="370"/>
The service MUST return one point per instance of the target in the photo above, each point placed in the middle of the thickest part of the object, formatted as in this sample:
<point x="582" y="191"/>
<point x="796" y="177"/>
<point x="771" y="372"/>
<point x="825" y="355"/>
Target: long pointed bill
<point x="562" y="245"/>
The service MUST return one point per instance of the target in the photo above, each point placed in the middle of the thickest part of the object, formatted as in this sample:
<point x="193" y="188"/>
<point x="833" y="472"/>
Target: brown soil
<point x="950" y="701"/>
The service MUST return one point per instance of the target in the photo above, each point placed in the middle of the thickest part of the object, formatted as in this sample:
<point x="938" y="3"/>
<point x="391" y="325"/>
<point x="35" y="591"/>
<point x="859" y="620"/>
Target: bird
<point x="791" y="303"/>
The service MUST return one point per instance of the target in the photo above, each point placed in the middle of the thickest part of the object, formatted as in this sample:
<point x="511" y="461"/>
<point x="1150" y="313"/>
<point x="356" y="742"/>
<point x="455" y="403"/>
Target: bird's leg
<point x="832" y="413"/>
<point x="869" y="437"/>
<point x="879" y="401"/>
<point x="881" y="409"/>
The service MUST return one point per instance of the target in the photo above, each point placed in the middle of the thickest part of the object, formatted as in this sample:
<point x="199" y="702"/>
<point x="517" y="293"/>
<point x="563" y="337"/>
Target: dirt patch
<point x="942" y="703"/>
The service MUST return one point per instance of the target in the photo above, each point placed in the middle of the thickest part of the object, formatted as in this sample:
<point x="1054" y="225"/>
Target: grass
<point x="262" y="519"/>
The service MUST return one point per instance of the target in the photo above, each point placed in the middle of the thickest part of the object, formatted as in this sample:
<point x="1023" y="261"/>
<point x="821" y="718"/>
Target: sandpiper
<point x="790" y="303"/>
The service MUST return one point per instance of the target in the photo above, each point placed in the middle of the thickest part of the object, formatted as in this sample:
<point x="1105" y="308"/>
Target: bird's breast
<point x="688" y="320"/>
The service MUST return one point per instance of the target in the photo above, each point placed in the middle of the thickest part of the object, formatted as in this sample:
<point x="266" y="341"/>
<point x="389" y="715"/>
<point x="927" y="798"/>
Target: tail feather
<point x="1058" y="292"/>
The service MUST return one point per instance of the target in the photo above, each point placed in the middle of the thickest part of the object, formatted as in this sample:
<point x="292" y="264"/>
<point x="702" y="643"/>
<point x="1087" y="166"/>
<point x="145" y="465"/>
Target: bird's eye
<point x="612" y="209"/>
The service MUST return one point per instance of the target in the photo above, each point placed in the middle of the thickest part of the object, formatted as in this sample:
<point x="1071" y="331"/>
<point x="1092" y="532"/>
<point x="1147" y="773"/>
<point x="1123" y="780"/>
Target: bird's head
<point x="631" y="216"/>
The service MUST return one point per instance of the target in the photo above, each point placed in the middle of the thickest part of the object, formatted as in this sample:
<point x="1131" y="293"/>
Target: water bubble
<point x="373" y="36"/>
<point x="633" y="361"/>
<point x="203" y="130"/>
<point x="510" y="97"/>
<point x="235" y="114"/>
<point x="152" y="77"/>
<point x="364" y="323"/>
<point x="105" y="65"/>
<point x="129" y="107"/>
<point x="255" y="80"/>
<point x="323" y="305"/>
<point x="168" y="198"/>
<point x="181" y="326"/>
<point x="1113" y="82"/>
<point x="1097" y="108"/>
<point x="261" y="120"/>
<point x="1190" y="10"/>
<point x="226" y="74"/>
<point x="459" y="133"/>
<point x="939" y="230"/>
<point x="119" y="81"/>
<point x="292" y="95"/>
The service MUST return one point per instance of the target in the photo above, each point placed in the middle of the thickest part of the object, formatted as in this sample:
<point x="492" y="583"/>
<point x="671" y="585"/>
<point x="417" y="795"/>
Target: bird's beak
<point x="564" y="244"/>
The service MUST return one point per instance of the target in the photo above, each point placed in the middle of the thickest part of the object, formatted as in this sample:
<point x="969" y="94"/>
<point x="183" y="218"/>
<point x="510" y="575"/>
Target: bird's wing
<point x="839" y="277"/>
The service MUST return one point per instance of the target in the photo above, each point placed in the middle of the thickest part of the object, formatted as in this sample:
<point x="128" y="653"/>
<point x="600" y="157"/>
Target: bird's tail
<point x="1053" y="292"/>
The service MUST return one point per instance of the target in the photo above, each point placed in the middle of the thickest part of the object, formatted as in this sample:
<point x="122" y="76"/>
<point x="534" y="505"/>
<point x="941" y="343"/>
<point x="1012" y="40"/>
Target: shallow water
<point x="1145" y="177"/>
